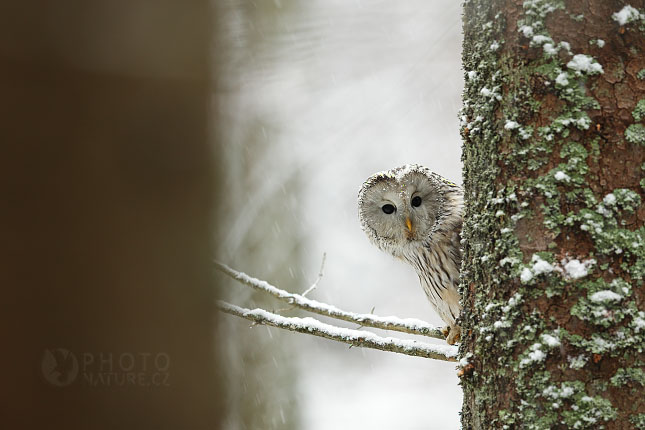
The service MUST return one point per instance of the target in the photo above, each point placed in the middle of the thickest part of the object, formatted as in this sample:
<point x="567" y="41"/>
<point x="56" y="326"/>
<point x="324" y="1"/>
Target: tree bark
<point x="552" y="280"/>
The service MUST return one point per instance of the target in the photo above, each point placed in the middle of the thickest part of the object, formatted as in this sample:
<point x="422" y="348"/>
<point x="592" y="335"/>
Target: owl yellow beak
<point x="408" y="223"/>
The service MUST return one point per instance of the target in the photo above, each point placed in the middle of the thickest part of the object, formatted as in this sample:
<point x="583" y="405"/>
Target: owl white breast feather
<point x="415" y="215"/>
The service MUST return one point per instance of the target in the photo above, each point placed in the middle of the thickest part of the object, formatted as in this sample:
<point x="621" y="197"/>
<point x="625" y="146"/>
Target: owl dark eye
<point x="388" y="209"/>
<point x="416" y="201"/>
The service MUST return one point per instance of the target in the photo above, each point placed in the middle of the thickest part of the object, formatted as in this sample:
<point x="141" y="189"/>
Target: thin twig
<point x="320" y="275"/>
<point x="371" y="313"/>
<point x="313" y="286"/>
<point x="407" y="325"/>
<point x="345" y="335"/>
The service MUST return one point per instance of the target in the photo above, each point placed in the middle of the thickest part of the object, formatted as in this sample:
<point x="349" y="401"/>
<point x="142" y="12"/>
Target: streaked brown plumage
<point x="416" y="215"/>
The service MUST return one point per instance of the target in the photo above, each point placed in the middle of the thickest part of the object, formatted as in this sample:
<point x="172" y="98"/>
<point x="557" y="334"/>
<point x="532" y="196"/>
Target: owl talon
<point x="454" y="335"/>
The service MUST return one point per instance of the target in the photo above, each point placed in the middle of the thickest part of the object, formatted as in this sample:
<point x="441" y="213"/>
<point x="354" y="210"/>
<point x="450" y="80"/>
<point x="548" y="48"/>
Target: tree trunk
<point x="108" y="186"/>
<point x="552" y="280"/>
<point x="261" y="214"/>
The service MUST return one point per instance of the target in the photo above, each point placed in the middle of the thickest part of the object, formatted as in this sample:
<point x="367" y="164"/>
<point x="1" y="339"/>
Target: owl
<point x="416" y="215"/>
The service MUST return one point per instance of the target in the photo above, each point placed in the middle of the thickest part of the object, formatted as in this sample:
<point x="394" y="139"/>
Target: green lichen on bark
<point x="634" y="376"/>
<point x="638" y="421"/>
<point x="479" y="127"/>
<point x="532" y="153"/>
<point x="635" y="133"/>
<point x="639" y="111"/>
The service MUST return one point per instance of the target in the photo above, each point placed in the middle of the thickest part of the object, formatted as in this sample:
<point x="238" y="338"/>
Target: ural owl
<point x="416" y="215"/>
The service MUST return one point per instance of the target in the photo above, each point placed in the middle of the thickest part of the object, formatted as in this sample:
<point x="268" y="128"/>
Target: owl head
<point x="403" y="207"/>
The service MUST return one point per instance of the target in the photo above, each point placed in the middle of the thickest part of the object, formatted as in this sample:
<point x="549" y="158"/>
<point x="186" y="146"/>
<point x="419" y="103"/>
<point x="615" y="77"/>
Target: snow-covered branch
<point x="350" y="336"/>
<point x="407" y="325"/>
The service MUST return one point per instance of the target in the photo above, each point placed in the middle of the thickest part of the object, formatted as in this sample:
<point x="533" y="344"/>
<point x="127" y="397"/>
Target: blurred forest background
<point x="312" y="98"/>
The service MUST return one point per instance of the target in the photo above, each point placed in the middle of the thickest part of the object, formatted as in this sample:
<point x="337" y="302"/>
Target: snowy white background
<point x="353" y="87"/>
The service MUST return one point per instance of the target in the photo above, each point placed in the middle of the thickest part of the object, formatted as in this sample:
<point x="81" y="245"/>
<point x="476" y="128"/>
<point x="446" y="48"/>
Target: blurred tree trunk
<point x="260" y="212"/>
<point x="108" y="186"/>
<point x="261" y="372"/>
<point x="554" y="328"/>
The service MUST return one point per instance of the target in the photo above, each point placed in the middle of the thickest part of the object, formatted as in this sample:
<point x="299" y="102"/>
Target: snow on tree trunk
<point x="554" y="249"/>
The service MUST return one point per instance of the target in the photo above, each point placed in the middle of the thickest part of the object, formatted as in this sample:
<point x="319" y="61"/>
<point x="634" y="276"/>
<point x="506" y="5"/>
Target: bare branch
<point x="352" y="337"/>
<point x="320" y="275"/>
<point x="407" y="325"/>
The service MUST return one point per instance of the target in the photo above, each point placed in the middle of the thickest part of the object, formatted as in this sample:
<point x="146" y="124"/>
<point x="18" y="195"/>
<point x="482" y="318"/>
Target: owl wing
<point x="455" y="246"/>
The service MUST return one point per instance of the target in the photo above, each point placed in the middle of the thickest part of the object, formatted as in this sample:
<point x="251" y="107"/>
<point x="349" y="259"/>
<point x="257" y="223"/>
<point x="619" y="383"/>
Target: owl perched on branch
<point x="416" y="215"/>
